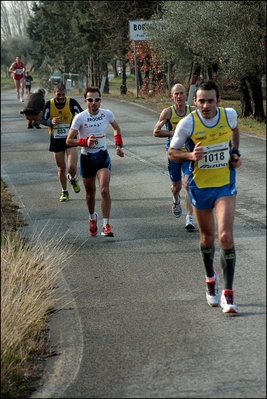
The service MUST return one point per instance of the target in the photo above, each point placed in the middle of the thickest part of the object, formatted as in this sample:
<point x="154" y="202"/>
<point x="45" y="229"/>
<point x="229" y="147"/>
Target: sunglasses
<point x="90" y="99"/>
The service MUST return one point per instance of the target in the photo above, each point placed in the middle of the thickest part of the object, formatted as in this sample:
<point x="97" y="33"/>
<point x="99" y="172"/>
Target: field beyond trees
<point x="230" y="98"/>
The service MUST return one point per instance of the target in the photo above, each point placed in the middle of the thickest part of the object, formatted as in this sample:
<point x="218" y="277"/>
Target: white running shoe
<point x="212" y="291"/>
<point x="227" y="302"/>
<point x="189" y="225"/>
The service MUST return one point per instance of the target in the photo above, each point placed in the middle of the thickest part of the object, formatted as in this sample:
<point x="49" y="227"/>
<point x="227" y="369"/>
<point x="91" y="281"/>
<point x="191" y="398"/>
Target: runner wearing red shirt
<point x="18" y="69"/>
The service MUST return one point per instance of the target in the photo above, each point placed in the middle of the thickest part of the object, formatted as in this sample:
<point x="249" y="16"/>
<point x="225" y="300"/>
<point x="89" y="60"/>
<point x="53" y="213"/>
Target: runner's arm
<point x="75" y="107"/>
<point x="11" y="69"/>
<point x="45" y="118"/>
<point x="117" y="138"/>
<point x="72" y="139"/>
<point x="158" y="132"/>
<point x="181" y="134"/>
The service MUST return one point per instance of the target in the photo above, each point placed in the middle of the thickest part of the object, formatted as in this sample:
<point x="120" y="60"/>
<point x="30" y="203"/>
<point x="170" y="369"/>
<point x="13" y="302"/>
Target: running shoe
<point x="36" y="125"/>
<point x="64" y="196"/>
<point x="227" y="302"/>
<point x="106" y="231"/>
<point x="212" y="292"/>
<point x="93" y="225"/>
<point x="21" y="100"/>
<point x="30" y="126"/>
<point x="176" y="208"/>
<point x="74" y="184"/>
<point x="189" y="225"/>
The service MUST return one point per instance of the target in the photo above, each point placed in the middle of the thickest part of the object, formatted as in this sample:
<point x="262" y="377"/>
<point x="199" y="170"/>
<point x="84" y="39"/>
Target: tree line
<point x="219" y="40"/>
<point x="223" y="38"/>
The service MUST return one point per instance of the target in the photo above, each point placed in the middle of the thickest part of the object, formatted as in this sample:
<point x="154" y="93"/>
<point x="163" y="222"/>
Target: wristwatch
<point x="237" y="152"/>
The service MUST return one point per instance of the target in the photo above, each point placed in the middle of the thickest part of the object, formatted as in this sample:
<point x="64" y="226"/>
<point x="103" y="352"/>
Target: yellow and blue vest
<point x="214" y="169"/>
<point x="173" y="121"/>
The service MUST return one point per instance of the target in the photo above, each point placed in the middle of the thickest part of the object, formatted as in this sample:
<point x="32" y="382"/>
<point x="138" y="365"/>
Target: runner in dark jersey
<point x="57" y="116"/>
<point x="28" y="82"/>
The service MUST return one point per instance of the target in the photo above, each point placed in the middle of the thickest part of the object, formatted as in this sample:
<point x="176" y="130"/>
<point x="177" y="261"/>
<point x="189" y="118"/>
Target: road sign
<point x="137" y="30"/>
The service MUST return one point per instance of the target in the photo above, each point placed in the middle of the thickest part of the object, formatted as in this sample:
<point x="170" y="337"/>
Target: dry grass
<point x="30" y="270"/>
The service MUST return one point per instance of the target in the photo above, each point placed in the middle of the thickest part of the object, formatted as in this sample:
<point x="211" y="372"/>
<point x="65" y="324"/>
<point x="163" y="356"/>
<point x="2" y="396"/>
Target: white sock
<point x="92" y="216"/>
<point x="105" y="221"/>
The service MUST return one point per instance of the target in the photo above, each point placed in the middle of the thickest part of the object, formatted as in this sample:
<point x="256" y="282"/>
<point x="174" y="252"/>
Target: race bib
<point x="60" y="131"/>
<point x="215" y="156"/>
<point x="99" y="143"/>
<point x="19" y="71"/>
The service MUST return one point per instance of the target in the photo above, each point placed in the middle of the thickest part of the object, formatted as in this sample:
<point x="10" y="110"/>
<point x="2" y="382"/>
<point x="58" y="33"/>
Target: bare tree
<point x="14" y="18"/>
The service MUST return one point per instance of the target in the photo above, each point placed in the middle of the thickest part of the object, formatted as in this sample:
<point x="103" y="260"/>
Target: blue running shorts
<point x="204" y="198"/>
<point x="176" y="168"/>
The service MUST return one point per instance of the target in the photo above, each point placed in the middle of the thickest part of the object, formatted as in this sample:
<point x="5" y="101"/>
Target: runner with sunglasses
<point x="57" y="115"/>
<point x="88" y="130"/>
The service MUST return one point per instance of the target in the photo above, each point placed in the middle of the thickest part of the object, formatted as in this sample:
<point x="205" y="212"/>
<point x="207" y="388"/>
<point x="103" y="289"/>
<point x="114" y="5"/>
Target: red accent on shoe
<point x="93" y="226"/>
<point x="106" y="231"/>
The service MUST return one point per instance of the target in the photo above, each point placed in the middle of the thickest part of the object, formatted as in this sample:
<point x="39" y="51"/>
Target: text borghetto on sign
<point x="137" y="30"/>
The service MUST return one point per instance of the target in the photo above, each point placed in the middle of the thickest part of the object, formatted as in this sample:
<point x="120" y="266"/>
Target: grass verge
<point x="230" y="99"/>
<point x="30" y="270"/>
<point x="246" y="125"/>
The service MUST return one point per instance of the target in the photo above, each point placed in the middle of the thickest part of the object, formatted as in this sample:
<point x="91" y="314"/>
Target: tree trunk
<point x="210" y="72"/>
<point x="90" y="76"/>
<point x="105" y="73"/>
<point x="197" y="69"/>
<point x="256" y="89"/>
<point x="245" y="98"/>
<point x="191" y="74"/>
<point x="140" y="79"/>
<point x="114" y="68"/>
<point x="123" y="88"/>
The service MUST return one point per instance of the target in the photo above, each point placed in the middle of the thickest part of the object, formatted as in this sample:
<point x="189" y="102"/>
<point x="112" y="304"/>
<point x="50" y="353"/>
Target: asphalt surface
<point x="134" y="321"/>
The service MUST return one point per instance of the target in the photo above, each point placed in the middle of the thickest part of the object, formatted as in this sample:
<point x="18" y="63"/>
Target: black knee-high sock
<point x="207" y="254"/>
<point x="228" y="258"/>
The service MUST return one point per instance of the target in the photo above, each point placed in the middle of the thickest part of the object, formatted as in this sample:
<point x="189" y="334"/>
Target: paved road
<point x="136" y="323"/>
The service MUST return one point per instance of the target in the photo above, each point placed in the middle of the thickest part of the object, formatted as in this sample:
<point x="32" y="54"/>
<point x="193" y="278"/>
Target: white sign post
<point x="137" y="34"/>
<point x="192" y="90"/>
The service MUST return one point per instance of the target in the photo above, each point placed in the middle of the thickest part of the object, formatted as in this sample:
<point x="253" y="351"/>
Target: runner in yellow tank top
<point x="214" y="155"/>
<point x="170" y="117"/>
<point x="57" y="115"/>
<point x="213" y="169"/>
